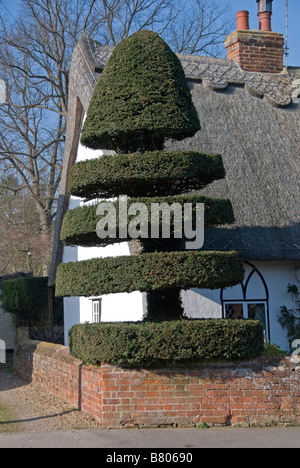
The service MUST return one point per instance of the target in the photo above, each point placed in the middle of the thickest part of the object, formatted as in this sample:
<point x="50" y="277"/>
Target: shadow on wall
<point x="71" y="315"/>
<point x="257" y="243"/>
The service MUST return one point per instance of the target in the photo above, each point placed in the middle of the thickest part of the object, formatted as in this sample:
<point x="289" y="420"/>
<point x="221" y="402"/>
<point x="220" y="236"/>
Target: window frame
<point x="96" y="301"/>
<point x="245" y="302"/>
<point x="245" y="311"/>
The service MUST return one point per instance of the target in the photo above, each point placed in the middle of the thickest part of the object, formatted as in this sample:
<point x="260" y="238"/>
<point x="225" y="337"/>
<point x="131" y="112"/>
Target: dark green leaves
<point x="142" y="99"/>
<point x="167" y="343"/>
<point x="79" y="225"/>
<point x="148" y="174"/>
<point x="149" y="272"/>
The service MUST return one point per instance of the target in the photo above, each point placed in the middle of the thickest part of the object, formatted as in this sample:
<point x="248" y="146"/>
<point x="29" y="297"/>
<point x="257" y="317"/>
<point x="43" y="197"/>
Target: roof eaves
<point x="214" y="73"/>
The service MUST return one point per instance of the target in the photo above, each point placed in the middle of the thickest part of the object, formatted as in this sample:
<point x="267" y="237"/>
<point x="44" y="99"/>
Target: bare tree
<point x="34" y="58"/>
<point x="35" y="55"/>
<point x="22" y="248"/>
<point x="122" y="18"/>
<point x="190" y="27"/>
<point x="200" y="28"/>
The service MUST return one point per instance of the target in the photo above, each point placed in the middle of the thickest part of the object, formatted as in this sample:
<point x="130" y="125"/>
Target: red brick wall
<point x="263" y="391"/>
<point x="256" y="51"/>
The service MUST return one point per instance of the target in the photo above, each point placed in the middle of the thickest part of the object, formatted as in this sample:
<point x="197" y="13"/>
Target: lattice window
<point x="234" y="311"/>
<point x="244" y="306"/>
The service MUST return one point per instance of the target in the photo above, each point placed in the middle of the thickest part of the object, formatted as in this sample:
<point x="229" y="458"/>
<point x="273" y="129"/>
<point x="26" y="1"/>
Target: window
<point x="234" y="311"/>
<point x="96" y="310"/>
<point x="257" y="312"/>
<point x="246" y="310"/>
<point x="249" y="300"/>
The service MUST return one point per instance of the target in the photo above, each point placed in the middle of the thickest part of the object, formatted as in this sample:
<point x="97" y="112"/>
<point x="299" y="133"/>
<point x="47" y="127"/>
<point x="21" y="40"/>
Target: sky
<point x="278" y="20"/>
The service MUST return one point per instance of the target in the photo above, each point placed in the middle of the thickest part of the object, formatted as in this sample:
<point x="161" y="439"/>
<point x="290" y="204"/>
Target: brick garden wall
<point x="259" y="392"/>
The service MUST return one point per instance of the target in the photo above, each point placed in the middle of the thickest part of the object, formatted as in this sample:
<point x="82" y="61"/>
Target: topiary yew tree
<point x="142" y="100"/>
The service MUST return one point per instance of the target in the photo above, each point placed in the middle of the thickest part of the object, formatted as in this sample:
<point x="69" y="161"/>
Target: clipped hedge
<point x="152" y="345"/>
<point x="150" y="272"/>
<point x="140" y="175"/>
<point x="27" y="298"/>
<point x="141" y="99"/>
<point x="79" y="225"/>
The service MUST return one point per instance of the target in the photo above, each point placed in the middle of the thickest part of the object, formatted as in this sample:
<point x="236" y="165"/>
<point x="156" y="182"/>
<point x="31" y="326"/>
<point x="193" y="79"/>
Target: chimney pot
<point x="264" y="5"/>
<point x="265" y="21"/>
<point x="264" y="12"/>
<point x="242" y="19"/>
<point x="256" y="51"/>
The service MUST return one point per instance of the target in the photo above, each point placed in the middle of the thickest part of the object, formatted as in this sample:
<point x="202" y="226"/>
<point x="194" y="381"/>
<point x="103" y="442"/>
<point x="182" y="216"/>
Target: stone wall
<point x="264" y="391"/>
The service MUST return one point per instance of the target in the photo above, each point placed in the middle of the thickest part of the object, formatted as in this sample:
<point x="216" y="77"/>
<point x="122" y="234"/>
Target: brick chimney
<point x="256" y="50"/>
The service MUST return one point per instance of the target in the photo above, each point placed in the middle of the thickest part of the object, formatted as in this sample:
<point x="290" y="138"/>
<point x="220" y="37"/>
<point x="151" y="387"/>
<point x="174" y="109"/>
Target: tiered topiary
<point x="141" y="100"/>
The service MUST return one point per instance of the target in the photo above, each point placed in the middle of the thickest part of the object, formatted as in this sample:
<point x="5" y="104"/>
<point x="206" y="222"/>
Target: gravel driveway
<point x="27" y="408"/>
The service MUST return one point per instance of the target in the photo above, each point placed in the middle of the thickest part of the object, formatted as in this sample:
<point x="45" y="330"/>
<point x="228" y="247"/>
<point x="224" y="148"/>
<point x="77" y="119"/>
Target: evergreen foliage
<point x="27" y="299"/>
<point x="167" y="343"/>
<point x="79" y="225"/>
<point x="149" y="272"/>
<point x="141" y="100"/>
<point x="152" y="173"/>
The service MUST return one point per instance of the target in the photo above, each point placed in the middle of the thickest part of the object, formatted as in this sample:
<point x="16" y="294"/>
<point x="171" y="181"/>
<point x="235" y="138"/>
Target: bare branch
<point x="35" y="56"/>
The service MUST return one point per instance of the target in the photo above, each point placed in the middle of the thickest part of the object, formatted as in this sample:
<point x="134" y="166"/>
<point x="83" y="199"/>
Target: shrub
<point x="150" y="173"/>
<point x="149" y="272"/>
<point x="79" y="225"/>
<point x="288" y="320"/>
<point x="151" y="344"/>
<point x="141" y="99"/>
<point x="47" y="334"/>
<point x="272" y="349"/>
<point x="27" y="298"/>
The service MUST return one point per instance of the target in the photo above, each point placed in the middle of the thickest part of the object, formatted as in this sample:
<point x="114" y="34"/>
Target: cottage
<point x="249" y="113"/>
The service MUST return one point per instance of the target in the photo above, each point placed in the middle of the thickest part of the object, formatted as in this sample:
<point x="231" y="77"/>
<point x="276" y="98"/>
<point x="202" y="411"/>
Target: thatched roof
<point x="248" y="118"/>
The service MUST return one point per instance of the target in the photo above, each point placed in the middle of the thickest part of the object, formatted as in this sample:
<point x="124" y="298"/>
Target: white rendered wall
<point x="114" y="307"/>
<point x="277" y="275"/>
<point x="7" y="329"/>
